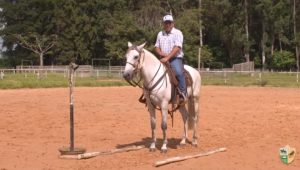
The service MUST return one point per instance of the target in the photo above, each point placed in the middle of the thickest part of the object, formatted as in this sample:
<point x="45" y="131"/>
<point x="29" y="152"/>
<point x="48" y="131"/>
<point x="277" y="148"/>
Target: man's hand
<point x="163" y="55"/>
<point x="160" y="53"/>
<point x="164" y="60"/>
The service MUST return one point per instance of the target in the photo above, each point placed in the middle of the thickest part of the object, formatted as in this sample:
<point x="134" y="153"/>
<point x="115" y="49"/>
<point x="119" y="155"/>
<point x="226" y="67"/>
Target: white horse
<point x="157" y="90"/>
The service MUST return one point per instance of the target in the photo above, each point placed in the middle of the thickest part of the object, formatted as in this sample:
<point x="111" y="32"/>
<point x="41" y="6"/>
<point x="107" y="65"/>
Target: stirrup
<point x="182" y="99"/>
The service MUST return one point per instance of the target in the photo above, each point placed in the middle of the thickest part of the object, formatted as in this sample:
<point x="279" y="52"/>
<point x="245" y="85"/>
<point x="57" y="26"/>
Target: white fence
<point x="82" y="71"/>
<point x="247" y="66"/>
<point x="225" y="77"/>
<point x="248" y="78"/>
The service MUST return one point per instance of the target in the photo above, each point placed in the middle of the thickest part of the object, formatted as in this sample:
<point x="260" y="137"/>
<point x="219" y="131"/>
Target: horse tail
<point x="193" y="102"/>
<point x="193" y="113"/>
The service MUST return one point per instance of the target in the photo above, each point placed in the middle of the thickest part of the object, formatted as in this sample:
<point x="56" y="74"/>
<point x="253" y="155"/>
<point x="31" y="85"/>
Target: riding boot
<point x="182" y="98"/>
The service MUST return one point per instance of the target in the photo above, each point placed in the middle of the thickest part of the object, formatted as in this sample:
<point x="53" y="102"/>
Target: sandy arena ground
<point x="251" y="122"/>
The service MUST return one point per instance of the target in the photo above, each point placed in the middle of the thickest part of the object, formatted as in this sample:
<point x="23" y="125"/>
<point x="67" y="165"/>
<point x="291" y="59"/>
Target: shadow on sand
<point x="173" y="143"/>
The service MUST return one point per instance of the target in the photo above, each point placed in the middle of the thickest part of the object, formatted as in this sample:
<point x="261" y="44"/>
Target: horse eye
<point x="136" y="57"/>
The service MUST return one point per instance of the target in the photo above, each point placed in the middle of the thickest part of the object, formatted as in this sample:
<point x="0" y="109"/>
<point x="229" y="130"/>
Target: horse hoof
<point x="195" y="144"/>
<point x="182" y="144"/>
<point x="152" y="149"/>
<point x="164" y="151"/>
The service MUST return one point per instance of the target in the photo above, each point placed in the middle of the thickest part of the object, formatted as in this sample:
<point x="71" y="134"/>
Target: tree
<point x="40" y="45"/>
<point x="283" y="60"/>
<point x="233" y="31"/>
<point x="246" y="31"/>
<point x="295" y="35"/>
<point x="31" y="19"/>
<point x="200" y="36"/>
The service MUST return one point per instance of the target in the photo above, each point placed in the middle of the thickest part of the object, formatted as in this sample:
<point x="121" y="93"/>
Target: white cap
<point x="168" y="18"/>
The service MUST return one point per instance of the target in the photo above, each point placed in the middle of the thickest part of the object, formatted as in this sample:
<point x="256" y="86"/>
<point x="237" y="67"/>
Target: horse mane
<point x="151" y="55"/>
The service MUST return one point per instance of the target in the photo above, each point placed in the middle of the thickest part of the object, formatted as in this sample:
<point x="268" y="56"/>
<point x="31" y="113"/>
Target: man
<point x="169" y="47"/>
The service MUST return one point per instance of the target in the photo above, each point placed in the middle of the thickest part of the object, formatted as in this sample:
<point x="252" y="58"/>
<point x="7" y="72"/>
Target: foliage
<point x="284" y="60"/>
<point x="100" y="29"/>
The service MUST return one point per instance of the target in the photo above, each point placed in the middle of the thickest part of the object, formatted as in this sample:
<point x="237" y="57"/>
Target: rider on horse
<point x="169" y="47"/>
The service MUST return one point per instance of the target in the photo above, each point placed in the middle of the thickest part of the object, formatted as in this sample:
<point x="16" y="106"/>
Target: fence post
<point x="297" y="77"/>
<point x="259" y="77"/>
<point x="1" y="74"/>
<point x="225" y="77"/>
<point x="65" y="73"/>
<point x="38" y="74"/>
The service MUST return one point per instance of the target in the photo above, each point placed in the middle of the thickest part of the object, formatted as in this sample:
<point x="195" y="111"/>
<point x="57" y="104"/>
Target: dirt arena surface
<point x="251" y="122"/>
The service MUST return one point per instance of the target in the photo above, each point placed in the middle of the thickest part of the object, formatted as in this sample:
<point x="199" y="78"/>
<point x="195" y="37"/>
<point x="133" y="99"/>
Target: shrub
<point x="284" y="60"/>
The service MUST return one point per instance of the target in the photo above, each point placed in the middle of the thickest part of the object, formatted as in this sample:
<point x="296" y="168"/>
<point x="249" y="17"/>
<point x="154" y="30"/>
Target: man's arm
<point x="160" y="53"/>
<point x="173" y="53"/>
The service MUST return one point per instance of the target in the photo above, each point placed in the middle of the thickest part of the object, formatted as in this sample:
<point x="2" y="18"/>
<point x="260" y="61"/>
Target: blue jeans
<point x="177" y="66"/>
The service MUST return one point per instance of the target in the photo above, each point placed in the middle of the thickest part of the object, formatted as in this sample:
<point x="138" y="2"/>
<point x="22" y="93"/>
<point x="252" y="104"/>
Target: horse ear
<point x="140" y="47"/>
<point x="129" y="44"/>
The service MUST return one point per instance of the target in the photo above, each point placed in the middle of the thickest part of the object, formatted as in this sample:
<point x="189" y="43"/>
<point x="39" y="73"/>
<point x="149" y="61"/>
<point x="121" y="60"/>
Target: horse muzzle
<point x="127" y="76"/>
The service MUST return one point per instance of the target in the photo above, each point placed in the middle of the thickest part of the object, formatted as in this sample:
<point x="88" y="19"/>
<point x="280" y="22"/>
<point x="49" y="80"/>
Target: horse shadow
<point x="173" y="143"/>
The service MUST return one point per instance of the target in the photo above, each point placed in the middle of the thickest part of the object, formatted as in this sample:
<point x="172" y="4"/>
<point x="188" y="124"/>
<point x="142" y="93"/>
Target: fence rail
<point x="226" y="77"/>
<point x="80" y="72"/>
<point x="247" y="66"/>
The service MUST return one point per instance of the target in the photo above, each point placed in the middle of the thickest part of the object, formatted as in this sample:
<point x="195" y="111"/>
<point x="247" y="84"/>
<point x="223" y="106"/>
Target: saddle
<point x="174" y="82"/>
<point x="175" y="92"/>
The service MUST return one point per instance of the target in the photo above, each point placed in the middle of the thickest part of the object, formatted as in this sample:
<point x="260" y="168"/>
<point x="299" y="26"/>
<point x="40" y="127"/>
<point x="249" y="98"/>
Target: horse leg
<point x="195" y="121"/>
<point x="164" y="112"/>
<point x="184" y="115"/>
<point x="153" y="128"/>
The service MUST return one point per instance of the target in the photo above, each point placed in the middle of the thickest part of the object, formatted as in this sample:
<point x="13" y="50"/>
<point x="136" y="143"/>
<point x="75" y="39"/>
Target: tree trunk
<point x="295" y="34"/>
<point x="280" y="45"/>
<point x="263" y="54"/>
<point x="41" y="60"/>
<point x="272" y="46"/>
<point x="200" y="37"/>
<point x="247" y="33"/>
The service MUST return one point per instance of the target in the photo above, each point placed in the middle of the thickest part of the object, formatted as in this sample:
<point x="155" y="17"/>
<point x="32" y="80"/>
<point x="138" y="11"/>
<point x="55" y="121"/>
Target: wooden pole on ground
<point x="182" y="158"/>
<point x="94" y="154"/>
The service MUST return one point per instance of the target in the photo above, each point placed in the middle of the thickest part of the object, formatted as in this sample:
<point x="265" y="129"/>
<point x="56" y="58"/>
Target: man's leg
<point x="177" y="66"/>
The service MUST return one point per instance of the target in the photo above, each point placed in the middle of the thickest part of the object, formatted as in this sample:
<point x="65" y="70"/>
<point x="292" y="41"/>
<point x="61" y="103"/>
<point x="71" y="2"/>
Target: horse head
<point x="133" y="60"/>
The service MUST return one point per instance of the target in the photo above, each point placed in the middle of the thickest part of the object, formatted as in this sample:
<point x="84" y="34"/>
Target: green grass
<point x="30" y="80"/>
<point x="15" y="81"/>
<point x="252" y="79"/>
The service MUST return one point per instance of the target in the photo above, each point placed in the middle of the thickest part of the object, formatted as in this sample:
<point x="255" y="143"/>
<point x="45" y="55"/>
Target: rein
<point x="157" y="82"/>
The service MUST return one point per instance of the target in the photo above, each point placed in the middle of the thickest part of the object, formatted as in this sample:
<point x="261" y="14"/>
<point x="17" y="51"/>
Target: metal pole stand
<point x="71" y="150"/>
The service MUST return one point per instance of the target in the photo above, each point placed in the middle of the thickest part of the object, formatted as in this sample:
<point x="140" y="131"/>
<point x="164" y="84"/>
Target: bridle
<point x="137" y="66"/>
<point x="137" y="69"/>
